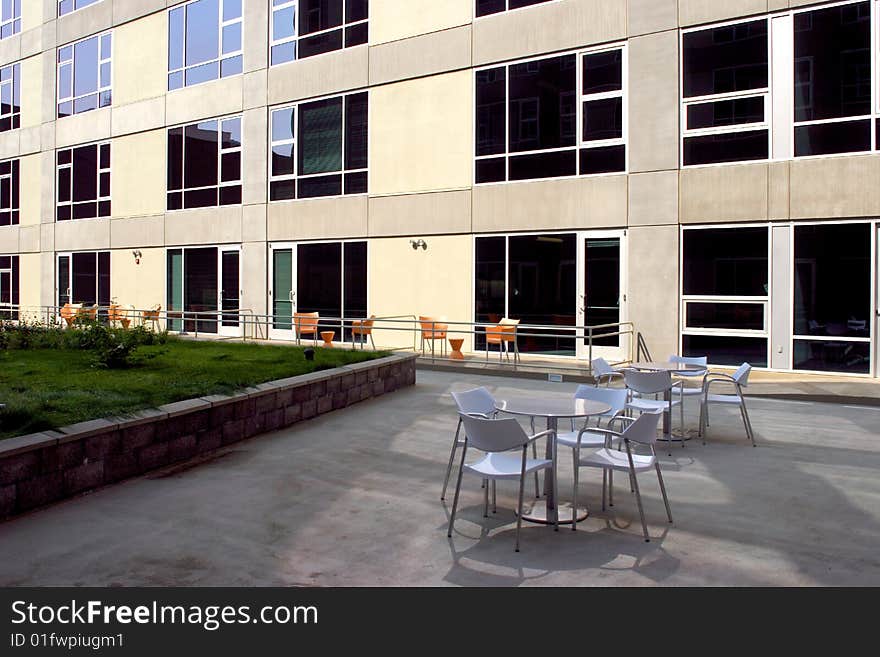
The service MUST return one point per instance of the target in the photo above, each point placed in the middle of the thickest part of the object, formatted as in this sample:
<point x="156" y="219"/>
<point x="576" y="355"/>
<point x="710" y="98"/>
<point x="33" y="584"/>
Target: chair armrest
<point x="621" y="418"/>
<point x="727" y="380"/>
<point x="482" y="415"/>
<point x="547" y="432"/>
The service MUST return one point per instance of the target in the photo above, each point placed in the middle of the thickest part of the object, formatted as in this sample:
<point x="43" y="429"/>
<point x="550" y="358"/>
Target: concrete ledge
<point x="42" y="468"/>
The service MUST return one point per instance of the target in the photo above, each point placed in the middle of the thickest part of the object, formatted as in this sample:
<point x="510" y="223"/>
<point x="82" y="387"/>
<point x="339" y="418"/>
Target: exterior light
<point x="137" y="256"/>
<point x="419" y="243"/>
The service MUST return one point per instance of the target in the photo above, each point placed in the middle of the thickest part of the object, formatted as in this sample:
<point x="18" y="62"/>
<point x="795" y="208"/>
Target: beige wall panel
<point x="126" y="10"/>
<point x="694" y="12"/>
<point x="9" y="144"/>
<point x="137" y="232"/>
<point x="779" y="191"/>
<point x="47" y="186"/>
<point x="437" y="52"/>
<point x="139" y="173"/>
<point x="204" y="226"/>
<point x="138" y="117"/>
<point x="254" y="278"/>
<point x="48" y="279"/>
<point x="725" y="193"/>
<point x="140" y="285"/>
<point x="32" y="91"/>
<point x="29" y="239"/>
<point x="47" y="238"/>
<point x="317" y="219"/>
<point x="435" y="283"/>
<point x="30" y="140"/>
<point x="653" y="102"/>
<point x="83" y="128"/>
<point x="34" y="12"/>
<point x="256" y="89"/>
<point x="30" y="190"/>
<point x="421" y="214"/>
<point x="254" y="161"/>
<point x="599" y="202"/>
<point x="318" y="76"/>
<point x="391" y="20"/>
<point x="653" y="286"/>
<point x="84" y="22"/>
<point x="48" y="106"/>
<point x="82" y="235"/>
<point x="427" y="121"/>
<point x="646" y="16"/>
<point x="835" y="187"/>
<point x="29" y="289"/>
<point x="9" y="239"/>
<point x="256" y="35"/>
<point x="653" y="198"/>
<point x="203" y="101"/>
<point x="253" y="223"/>
<point x="547" y="28"/>
<point x="10" y="50"/>
<point x="140" y="59"/>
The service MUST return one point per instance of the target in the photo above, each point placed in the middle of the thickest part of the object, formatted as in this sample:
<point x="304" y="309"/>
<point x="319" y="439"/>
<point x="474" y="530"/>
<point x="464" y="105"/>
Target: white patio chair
<point x="739" y="380"/>
<point x="602" y="370"/>
<point x="496" y="439"/>
<point x="683" y="390"/>
<point x="643" y="431"/>
<point x="478" y="402"/>
<point x="652" y="383"/>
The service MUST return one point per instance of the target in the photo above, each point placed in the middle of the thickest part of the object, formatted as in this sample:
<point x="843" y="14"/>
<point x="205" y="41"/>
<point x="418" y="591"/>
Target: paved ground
<point x="352" y="498"/>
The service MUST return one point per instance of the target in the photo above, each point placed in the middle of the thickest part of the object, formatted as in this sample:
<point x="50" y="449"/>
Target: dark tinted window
<point x="9" y="193"/>
<point x="738" y="316"/>
<point x="725" y="59"/>
<point x="354" y="273"/>
<point x="603" y="119"/>
<point x="10" y="97"/>
<point x="602" y="72"/>
<point x="200" y="48"/>
<point x="543" y="165"/>
<point x="84" y="81"/>
<point x="321" y="26"/>
<point x="83" y="183"/>
<point x="607" y="159"/>
<point x="729" y="147"/>
<point x="356" y="131"/>
<point x="832" y="55"/>
<point x="204" y="164"/>
<point x="542" y="104"/>
<point x="486" y="7"/>
<point x="491" y="93"/>
<point x="67" y="6"/>
<point x="727" y="350"/>
<point x="830" y="138"/>
<point x="725" y="262"/>
<point x="725" y="112"/>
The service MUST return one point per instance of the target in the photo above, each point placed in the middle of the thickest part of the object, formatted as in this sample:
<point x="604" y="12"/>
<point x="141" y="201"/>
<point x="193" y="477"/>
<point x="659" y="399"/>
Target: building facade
<point x="708" y="170"/>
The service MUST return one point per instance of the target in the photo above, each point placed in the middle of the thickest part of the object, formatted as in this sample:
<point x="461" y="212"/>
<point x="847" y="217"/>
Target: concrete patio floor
<point x="352" y="498"/>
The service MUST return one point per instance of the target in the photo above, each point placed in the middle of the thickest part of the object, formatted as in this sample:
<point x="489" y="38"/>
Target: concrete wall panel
<point x="319" y="76"/>
<point x="391" y="20"/>
<point x="421" y="214"/>
<point x="725" y="193"/>
<point x="317" y="219"/>
<point x="140" y="60"/>
<point x="653" y="286"/>
<point x="138" y="175"/>
<point x="142" y="284"/>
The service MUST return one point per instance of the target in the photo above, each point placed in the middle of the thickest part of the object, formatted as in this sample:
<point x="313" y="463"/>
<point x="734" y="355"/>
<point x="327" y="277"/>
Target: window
<point x="83" y="182"/>
<point x="725" y="113"/>
<point x="204" y="164"/>
<point x="319" y="148"/>
<point x="204" y="42"/>
<point x="486" y="7"/>
<point x="9" y="287"/>
<point x="10" y="97"/>
<point x="725" y="294"/>
<point x="832" y="298"/>
<point x="67" y="6"/>
<point x="203" y="289"/>
<point x="532" y="278"/>
<point x="10" y="18"/>
<point x="554" y="117"/>
<point x="84" y="278"/>
<point x="84" y="75"/>
<point x="832" y="71"/>
<point x="9" y="193"/>
<point x="303" y="28"/>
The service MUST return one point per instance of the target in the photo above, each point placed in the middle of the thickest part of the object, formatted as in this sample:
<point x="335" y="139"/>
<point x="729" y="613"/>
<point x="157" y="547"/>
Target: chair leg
<point x="574" y="491"/>
<point x="611" y="488"/>
<point x="604" y="487"/>
<point x="747" y="421"/>
<point x="371" y="342"/>
<point x="681" y="418"/>
<point x="641" y="510"/>
<point x="494" y="497"/>
<point x="702" y="429"/>
<point x="663" y="490"/>
<point x="486" y="501"/>
<point x="457" y="491"/>
<point x="537" y="479"/>
<point x="451" y="459"/>
<point x="519" y="508"/>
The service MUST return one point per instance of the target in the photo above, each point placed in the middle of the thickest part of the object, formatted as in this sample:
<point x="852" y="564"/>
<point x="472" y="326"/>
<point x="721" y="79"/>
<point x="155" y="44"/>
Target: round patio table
<point x="552" y="410"/>
<point x="672" y="368"/>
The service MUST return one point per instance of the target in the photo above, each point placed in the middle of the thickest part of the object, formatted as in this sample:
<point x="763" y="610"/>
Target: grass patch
<point x="47" y="388"/>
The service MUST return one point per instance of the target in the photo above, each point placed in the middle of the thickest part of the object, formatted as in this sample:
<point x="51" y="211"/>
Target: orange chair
<point x="305" y="324"/>
<point x="69" y="312"/>
<point x="151" y="316"/>
<point x="363" y="328"/>
<point x="88" y="313"/>
<point x="116" y="314"/>
<point x="433" y="329"/>
<point x="503" y="335"/>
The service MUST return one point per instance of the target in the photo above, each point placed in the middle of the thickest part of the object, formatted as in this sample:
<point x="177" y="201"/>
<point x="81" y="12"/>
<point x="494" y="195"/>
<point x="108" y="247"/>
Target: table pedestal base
<point x="538" y="514"/>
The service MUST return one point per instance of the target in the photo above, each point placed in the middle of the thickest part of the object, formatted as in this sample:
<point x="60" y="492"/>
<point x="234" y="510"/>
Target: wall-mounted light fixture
<point x="416" y="244"/>
<point x="137" y="257"/>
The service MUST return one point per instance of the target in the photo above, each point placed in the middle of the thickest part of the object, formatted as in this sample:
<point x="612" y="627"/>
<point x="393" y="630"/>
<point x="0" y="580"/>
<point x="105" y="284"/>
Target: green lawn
<point x="49" y="388"/>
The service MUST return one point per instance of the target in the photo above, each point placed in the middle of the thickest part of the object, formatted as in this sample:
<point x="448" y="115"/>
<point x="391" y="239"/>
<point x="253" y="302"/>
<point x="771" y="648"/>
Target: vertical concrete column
<point x="780" y="297"/>
<point x="254" y="277"/>
<point x="255" y="36"/>
<point x="254" y="161"/>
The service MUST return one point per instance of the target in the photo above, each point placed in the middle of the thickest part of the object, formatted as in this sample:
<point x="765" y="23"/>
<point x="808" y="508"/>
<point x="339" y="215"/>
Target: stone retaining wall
<point x="45" y="467"/>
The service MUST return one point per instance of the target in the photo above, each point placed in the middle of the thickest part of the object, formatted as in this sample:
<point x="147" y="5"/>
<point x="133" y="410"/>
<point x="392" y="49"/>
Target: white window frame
<point x="8" y="306"/>
<point x="14" y="20"/>
<point x="580" y="99"/>
<point x="12" y="83"/>
<point x="14" y="163"/>
<point x="99" y="91"/>
<point x="221" y="151"/>
<point x="507" y="8"/>
<point x="273" y="42"/>
<point x="221" y="56"/>
<point x="75" y="8"/>
<point x="764" y="299"/>
<point x="69" y="255"/>
<point x="98" y="171"/>
<point x="290" y="334"/>
<point x="295" y="142"/>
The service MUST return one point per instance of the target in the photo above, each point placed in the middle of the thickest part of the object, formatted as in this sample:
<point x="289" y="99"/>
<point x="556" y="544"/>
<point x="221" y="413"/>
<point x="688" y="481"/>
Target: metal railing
<point x="421" y="336"/>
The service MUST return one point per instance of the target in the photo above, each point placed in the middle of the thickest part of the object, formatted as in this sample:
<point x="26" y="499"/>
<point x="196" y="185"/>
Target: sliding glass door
<point x="9" y="287"/>
<point x="602" y="294"/>
<point x="328" y="278"/>
<point x="203" y="290"/>
<point x="83" y="278"/>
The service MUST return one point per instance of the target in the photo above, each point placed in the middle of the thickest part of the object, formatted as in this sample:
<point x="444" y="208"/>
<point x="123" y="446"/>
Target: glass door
<point x="84" y="278"/>
<point x="282" y="297"/>
<point x="602" y="294"/>
<point x="230" y="292"/>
